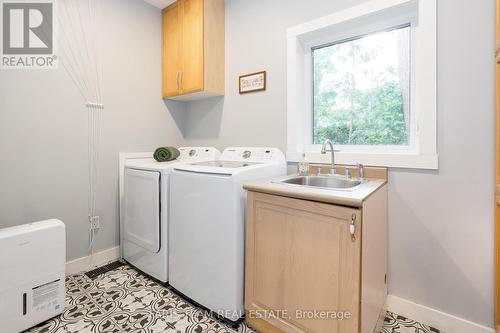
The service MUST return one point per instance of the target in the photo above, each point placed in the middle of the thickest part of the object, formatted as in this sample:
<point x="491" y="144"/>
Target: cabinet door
<point x="497" y="262"/>
<point x="497" y="73"/>
<point x="497" y="27"/>
<point x="172" y="47"/>
<point x="301" y="259"/>
<point x="192" y="77"/>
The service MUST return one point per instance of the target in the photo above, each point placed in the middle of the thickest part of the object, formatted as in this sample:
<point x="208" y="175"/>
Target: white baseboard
<point x="87" y="263"/>
<point x="437" y="319"/>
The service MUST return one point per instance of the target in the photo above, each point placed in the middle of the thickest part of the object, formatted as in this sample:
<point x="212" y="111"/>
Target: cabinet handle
<point x="181" y="78"/>
<point x="177" y="80"/>
<point x="352" y="227"/>
<point x="497" y="53"/>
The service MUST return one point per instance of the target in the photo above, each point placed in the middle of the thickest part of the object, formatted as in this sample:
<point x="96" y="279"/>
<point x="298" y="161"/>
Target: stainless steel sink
<point x="325" y="182"/>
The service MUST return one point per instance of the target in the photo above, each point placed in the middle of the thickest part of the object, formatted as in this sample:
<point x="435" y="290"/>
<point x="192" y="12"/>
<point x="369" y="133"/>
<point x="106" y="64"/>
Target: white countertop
<point x="351" y="198"/>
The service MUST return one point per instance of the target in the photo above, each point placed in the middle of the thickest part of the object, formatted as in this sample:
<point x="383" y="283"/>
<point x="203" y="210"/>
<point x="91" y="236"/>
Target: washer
<point x="144" y="225"/>
<point x="207" y="227"/>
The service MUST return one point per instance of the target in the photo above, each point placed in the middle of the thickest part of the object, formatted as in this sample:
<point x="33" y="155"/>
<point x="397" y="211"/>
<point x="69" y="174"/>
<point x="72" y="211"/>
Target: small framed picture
<point x="253" y="82"/>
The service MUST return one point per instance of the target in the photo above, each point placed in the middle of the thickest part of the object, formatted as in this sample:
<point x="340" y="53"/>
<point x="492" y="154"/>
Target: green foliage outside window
<point x="361" y="90"/>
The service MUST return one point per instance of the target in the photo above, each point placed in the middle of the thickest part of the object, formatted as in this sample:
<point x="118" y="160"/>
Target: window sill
<point x="391" y="160"/>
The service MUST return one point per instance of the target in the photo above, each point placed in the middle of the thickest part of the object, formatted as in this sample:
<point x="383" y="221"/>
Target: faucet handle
<point x="346" y="172"/>
<point x="361" y="171"/>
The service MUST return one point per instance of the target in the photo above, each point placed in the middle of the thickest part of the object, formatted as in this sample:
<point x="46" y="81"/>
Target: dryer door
<point x="142" y="208"/>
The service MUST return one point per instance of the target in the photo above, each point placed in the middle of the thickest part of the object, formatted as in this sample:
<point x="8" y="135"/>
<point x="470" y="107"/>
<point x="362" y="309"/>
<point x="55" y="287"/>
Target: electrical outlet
<point x="95" y="223"/>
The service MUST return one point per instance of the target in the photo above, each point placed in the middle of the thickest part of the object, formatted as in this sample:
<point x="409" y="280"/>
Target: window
<point x="361" y="90"/>
<point x="365" y="78"/>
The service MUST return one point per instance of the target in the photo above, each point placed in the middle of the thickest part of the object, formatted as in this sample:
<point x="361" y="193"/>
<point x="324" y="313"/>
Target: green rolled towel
<point x="165" y="154"/>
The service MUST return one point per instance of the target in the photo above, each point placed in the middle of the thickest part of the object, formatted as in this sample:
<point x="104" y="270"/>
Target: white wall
<point x="43" y="136"/>
<point x="441" y="223"/>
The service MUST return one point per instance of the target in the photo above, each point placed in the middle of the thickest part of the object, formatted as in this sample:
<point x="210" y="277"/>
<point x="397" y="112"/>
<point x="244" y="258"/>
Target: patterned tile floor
<point x="124" y="300"/>
<point x="394" y="323"/>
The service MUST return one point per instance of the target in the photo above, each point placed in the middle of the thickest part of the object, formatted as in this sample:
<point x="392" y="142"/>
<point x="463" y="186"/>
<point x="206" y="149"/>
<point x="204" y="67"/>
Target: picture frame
<point x="252" y="82"/>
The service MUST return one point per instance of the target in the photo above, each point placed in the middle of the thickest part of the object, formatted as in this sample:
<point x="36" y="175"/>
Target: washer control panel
<point x="198" y="153"/>
<point x="252" y="154"/>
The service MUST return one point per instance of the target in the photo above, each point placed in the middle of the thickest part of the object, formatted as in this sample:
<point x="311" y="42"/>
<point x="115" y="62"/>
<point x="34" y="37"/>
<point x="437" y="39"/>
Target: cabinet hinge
<point x="352" y="227"/>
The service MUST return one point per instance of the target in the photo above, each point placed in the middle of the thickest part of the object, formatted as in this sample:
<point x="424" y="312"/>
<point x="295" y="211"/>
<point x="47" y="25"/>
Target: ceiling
<point x="160" y="3"/>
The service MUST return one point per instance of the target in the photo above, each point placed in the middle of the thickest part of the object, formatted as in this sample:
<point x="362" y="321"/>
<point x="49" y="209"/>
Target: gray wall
<point x="43" y="129"/>
<point x="441" y="223"/>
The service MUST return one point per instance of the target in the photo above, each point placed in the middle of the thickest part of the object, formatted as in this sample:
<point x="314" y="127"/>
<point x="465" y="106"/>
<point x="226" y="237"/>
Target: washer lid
<point x="236" y="160"/>
<point x="225" y="168"/>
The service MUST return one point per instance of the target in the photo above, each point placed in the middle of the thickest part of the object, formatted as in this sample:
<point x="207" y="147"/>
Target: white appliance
<point x="32" y="270"/>
<point x="207" y="226"/>
<point x="144" y="225"/>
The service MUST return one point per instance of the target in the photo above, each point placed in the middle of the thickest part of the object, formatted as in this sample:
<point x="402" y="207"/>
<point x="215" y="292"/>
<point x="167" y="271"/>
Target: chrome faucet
<point x="323" y="151"/>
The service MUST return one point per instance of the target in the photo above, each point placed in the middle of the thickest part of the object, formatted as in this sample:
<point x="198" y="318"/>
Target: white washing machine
<point x="207" y="226"/>
<point x="144" y="225"/>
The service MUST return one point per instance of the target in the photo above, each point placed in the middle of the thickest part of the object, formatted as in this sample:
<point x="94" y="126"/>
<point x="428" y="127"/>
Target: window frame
<point x="368" y="18"/>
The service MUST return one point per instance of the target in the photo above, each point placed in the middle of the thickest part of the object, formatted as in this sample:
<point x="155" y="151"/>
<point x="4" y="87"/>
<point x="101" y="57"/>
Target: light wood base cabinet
<point x="308" y="264"/>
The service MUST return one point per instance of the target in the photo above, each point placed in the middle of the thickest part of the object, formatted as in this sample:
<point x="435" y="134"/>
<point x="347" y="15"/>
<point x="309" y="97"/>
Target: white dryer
<point x="145" y="210"/>
<point x="207" y="227"/>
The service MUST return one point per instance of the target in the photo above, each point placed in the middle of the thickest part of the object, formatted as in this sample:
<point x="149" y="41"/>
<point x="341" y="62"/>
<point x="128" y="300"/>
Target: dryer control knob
<point x="246" y="154"/>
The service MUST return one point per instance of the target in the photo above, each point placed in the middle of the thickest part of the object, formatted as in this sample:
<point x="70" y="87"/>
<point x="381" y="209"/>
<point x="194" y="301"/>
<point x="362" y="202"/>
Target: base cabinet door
<point x="302" y="265"/>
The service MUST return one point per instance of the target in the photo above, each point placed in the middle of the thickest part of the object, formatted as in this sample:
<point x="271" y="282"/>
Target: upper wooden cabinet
<point x="193" y="49"/>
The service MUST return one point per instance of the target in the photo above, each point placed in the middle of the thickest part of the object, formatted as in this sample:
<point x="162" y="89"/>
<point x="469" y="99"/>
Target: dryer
<point x="207" y="230"/>
<point x="145" y="210"/>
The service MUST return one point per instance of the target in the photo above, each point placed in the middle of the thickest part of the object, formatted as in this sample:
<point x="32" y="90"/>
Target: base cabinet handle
<point x="352" y="227"/>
